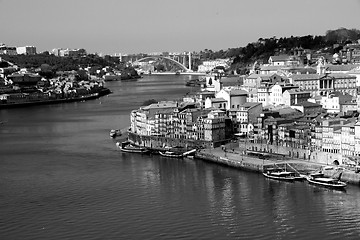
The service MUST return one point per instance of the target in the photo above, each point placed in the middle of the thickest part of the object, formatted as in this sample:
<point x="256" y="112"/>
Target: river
<point x="61" y="177"/>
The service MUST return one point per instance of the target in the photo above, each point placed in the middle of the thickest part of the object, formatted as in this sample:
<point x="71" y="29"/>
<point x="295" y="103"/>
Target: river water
<point x="61" y="177"/>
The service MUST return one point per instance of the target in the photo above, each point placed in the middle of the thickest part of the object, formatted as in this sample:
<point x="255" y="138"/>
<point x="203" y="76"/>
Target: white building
<point x="26" y="50"/>
<point x="208" y="66"/>
<point x="234" y="97"/>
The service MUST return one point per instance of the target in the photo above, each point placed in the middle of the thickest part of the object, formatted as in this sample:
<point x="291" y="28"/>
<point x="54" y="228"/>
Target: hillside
<point x="263" y="48"/>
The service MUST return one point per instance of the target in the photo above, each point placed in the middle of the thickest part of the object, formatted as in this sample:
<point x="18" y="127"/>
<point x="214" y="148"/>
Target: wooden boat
<point x="171" y="154"/>
<point x="279" y="175"/>
<point x="130" y="148"/>
<point x="115" y="133"/>
<point x="321" y="180"/>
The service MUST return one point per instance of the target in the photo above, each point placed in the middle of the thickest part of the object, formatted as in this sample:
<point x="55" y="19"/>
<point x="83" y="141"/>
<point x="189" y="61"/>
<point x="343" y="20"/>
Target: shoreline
<point x="240" y="161"/>
<point x="91" y="96"/>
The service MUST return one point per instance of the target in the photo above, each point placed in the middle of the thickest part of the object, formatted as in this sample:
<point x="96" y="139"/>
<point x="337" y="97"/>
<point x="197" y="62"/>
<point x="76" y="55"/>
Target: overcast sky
<point x="143" y="26"/>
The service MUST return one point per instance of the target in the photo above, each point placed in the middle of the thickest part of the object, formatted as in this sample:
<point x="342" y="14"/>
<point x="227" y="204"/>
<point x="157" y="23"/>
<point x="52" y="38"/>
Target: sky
<point x="145" y="26"/>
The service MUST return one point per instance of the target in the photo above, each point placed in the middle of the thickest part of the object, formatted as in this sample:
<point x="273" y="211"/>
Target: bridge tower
<point x="190" y="61"/>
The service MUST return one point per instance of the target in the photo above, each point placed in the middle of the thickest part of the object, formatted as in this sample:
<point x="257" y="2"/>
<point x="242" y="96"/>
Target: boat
<point x="279" y="174"/>
<point x="171" y="154"/>
<point x="115" y="133"/>
<point x="131" y="148"/>
<point x="321" y="180"/>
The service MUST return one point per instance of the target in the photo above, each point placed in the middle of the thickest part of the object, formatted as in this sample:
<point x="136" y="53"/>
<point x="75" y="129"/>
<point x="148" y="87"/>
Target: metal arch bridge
<point x="182" y="66"/>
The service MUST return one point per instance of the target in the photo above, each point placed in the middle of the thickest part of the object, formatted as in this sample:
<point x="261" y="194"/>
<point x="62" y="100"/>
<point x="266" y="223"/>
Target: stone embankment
<point x="237" y="159"/>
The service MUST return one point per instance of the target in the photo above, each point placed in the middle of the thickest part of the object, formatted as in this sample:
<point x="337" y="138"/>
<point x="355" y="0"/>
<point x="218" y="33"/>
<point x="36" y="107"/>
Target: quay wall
<point x="347" y="176"/>
<point x="297" y="158"/>
<point x="244" y="165"/>
<point x="157" y="142"/>
<point x="295" y="153"/>
<point x="286" y="151"/>
<point x="256" y="165"/>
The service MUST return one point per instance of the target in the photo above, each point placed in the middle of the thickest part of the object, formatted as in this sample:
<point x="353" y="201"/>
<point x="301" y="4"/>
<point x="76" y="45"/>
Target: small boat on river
<point x="279" y="175"/>
<point x="131" y="148"/>
<point x="171" y="154"/>
<point x="115" y="133"/>
<point x="321" y="180"/>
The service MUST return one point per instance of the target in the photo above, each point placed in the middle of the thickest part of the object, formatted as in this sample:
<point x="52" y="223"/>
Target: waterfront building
<point x="295" y="135"/>
<point x="26" y="50"/>
<point x="338" y="138"/>
<point x="357" y="139"/>
<point x="142" y="121"/>
<point x="246" y="117"/>
<point x="214" y="126"/>
<point x="178" y="122"/>
<point x="348" y="141"/>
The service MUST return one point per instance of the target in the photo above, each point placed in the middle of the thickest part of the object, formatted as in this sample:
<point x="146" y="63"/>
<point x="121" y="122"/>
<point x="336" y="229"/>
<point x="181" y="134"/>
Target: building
<point x="284" y="60"/>
<point x="208" y="66"/>
<point x="308" y="108"/>
<point x="24" y="79"/>
<point x="234" y="97"/>
<point x="295" y="96"/>
<point x="26" y="50"/>
<point x="254" y="81"/>
<point x="214" y="126"/>
<point x="7" y="50"/>
<point x="142" y="121"/>
<point x="333" y="102"/>
<point x="246" y="117"/>
<point x="218" y="103"/>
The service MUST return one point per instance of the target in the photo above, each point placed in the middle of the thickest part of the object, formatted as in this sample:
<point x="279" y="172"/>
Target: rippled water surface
<point x="61" y="177"/>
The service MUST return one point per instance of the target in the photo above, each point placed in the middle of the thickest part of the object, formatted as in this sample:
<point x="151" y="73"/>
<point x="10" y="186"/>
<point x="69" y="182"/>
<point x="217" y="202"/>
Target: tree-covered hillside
<point x="263" y="48"/>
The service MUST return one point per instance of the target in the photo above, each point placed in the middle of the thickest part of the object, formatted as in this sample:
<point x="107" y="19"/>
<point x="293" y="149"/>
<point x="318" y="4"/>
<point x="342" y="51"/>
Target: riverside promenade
<point x="233" y="157"/>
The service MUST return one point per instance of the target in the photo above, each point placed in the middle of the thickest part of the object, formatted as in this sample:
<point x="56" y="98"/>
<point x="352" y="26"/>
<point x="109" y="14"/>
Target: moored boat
<point x="171" y="154"/>
<point x="279" y="175"/>
<point x="115" y="133"/>
<point x="321" y="180"/>
<point x="129" y="147"/>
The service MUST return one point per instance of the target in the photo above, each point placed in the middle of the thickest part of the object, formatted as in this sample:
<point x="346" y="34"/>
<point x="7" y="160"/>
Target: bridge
<point x="179" y="60"/>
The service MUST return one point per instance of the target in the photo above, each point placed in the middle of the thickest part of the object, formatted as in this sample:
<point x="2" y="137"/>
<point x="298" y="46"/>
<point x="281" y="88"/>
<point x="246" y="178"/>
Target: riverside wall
<point x="234" y="156"/>
<point x="157" y="142"/>
<point x="243" y="162"/>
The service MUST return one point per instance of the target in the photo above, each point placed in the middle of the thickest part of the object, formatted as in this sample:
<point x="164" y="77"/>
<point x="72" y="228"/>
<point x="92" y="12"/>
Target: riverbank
<point x="91" y="96"/>
<point x="236" y="159"/>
